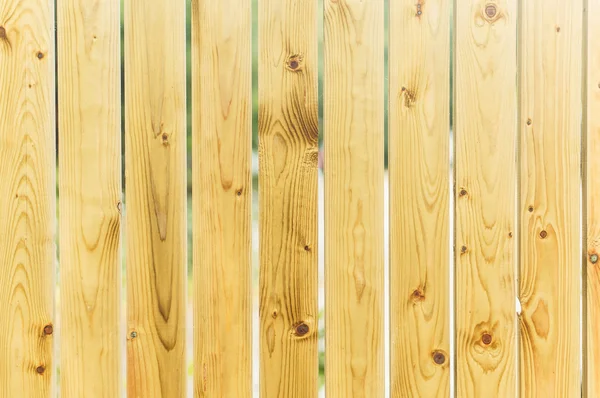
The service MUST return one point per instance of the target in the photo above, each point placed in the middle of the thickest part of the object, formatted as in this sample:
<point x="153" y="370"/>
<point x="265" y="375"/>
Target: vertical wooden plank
<point x="89" y="109"/>
<point x="222" y="188"/>
<point x="485" y="123"/>
<point x="550" y="131"/>
<point x="27" y="197"/>
<point x="419" y="65"/>
<point x="288" y="155"/>
<point x="353" y="120"/>
<point x="155" y="171"/>
<point x="592" y="353"/>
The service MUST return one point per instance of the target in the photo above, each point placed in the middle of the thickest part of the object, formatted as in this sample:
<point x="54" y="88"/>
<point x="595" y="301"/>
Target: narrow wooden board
<point x="591" y="350"/>
<point x="288" y="155"/>
<point x="155" y="171"/>
<point x="419" y="69"/>
<point x="222" y="189"/>
<point x="354" y="121"/>
<point x="549" y="206"/>
<point x="89" y="123"/>
<point x="27" y="197"/>
<point x="485" y="188"/>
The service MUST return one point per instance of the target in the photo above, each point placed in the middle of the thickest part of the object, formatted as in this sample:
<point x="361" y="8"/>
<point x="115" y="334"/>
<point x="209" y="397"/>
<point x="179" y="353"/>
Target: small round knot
<point x="463" y="249"/>
<point x="463" y="192"/>
<point x="48" y="329"/>
<point x="439" y="357"/>
<point x="133" y="334"/>
<point x="486" y="339"/>
<point x="40" y="369"/>
<point x="302" y="329"/>
<point x="490" y="10"/>
<point x="543" y="234"/>
<point x="40" y="55"/>
<point x="530" y="209"/>
<point x="2" y="32"/>
<point x="529" y="121"/>
<point x="594" y="258"/>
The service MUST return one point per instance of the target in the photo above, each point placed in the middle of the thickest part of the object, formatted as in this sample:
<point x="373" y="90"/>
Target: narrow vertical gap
<point x="189" y="330"/>
<point x="583" y="346"/>
<point x="254" y="208"/>
<point x="123" y="301"/>
<point x="386" y="236"/>
<point x="451" y="209"/>
<point x="518" y="199"/>
<point x="321" y="205"/>
<point x="55" y="382"/>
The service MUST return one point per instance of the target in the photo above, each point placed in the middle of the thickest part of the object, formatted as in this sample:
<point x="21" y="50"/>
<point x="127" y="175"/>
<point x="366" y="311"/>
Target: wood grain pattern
<point x="288" y="155"/>
<point x="550" y="131"/>
<point x="591" y="352"/>
<point x="155" y="171"/>
<point x="485" y="123"/>
<point x="222" y="188"/>
<point x="89" y="110"/>
<point x="27" y="197"/>
<point x="419" y="64"/>
<point x="353" y="119"/>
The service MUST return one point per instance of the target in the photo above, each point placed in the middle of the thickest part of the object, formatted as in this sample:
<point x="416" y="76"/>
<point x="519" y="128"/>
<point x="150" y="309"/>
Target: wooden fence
<point x="508" y="90"/>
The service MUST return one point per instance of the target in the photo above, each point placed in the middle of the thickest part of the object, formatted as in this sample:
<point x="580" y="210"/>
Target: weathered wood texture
<point x="89" y="110"/>
<point x="288" y="155"/>
<point x="353" y="118"/>
<point x="222" y="188"/>
<point x="419" y="69"/>
<point x="155" y="172"/>
<point x="591" y="352"/>
<point x="27" y="197"/>
<point x="485" y="129"/>
<point x="549" y="206"/>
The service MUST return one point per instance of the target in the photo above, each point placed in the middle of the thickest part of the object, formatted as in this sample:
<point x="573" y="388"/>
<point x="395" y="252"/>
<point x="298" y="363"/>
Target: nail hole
<point x="239" y="192"/>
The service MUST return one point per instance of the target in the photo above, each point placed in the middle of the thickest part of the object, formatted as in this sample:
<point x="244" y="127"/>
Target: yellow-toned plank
<point x="485" y="129"/>
<point x="288" y="155"/>
<point x="549" y="205"/>
<point x="89" y="110"/>
<point x="155" y="171"/>
<point x="419" y="64"/>
<point x="222" y="188"/>
<point x="353" y="119"/>
<point x="592" y="349"/>
<point x="27" y="197"/>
